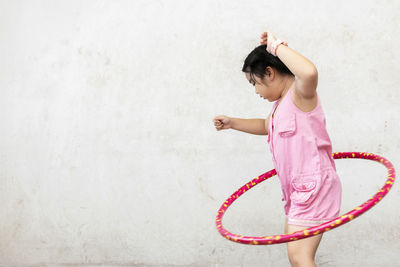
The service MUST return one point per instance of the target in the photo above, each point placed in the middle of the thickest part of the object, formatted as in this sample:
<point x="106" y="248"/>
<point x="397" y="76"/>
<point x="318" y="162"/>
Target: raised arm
<point x="305" y="71"/>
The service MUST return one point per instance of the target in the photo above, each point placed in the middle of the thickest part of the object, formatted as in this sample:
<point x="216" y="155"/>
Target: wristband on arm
<point x="275" y="45"/>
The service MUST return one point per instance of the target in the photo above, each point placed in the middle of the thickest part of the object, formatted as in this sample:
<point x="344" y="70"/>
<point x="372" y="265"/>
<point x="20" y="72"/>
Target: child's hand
<point x="267" y="38"/>
<point x="222" y="122"/>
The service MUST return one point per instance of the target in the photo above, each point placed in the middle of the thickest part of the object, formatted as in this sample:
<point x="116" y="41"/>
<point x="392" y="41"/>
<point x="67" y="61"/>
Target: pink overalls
<point x="302" y="154"/>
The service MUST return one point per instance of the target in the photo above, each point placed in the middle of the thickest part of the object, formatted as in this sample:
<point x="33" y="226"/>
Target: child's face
<point x="264" y="87"/>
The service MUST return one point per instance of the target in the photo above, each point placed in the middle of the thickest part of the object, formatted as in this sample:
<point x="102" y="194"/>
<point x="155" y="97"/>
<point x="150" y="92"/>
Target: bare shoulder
<point x="305" y="95"/>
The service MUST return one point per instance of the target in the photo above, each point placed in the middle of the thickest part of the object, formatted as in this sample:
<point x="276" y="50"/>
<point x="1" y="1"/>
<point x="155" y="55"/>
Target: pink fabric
<point x="302" y="154"/>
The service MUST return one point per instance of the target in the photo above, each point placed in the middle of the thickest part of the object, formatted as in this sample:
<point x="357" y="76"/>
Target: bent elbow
<point x="313" y="73"/>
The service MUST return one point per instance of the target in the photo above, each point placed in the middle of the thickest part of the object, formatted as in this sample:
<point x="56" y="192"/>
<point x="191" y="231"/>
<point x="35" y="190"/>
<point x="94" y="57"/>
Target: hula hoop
<point x="315" y="230"/>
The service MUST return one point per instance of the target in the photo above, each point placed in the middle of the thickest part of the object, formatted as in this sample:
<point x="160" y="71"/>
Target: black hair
<point x="259" y="59"/>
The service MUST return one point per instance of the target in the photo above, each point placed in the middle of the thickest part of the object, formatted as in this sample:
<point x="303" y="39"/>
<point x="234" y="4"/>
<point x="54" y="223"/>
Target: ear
<point x="270" y="73"/>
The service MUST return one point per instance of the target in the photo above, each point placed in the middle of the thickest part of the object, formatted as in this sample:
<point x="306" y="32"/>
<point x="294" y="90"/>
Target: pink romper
<point x="302" y="154"/>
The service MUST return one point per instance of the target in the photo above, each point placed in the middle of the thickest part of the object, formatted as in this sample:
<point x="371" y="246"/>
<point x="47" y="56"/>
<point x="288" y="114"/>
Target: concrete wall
<point x="108" y="151"/>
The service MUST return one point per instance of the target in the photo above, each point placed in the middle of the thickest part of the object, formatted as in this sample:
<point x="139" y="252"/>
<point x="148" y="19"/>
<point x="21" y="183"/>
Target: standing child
<point x="298" y="140"/>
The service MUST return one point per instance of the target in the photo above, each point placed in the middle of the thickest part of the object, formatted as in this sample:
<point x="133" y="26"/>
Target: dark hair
<point x="258" y="60"/>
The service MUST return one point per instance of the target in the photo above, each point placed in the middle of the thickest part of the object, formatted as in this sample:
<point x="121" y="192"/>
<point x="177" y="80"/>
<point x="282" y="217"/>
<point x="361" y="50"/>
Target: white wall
<point x="108" y="151"/>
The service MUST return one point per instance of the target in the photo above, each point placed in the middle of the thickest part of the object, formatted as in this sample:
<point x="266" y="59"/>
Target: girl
<point x="300" y="146"/>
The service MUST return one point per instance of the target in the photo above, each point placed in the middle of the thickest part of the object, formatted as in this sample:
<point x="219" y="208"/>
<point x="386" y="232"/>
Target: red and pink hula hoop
<point x="315" y="230"/>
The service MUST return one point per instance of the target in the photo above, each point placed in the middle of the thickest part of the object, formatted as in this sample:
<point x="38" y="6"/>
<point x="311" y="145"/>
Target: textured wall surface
<point x="109" y="156"/>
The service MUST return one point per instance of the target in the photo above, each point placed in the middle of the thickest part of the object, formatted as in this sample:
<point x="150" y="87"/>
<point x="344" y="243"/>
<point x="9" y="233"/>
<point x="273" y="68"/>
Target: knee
<point x="298" y="259"/>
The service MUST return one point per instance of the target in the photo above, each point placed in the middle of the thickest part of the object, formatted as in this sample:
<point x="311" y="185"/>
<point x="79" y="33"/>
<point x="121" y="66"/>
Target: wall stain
<point x="203" y="189"/>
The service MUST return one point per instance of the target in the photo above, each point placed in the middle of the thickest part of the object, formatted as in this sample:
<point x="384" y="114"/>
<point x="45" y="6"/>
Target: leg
<point x="302" y="252"/>
<point x="286" y="227"/>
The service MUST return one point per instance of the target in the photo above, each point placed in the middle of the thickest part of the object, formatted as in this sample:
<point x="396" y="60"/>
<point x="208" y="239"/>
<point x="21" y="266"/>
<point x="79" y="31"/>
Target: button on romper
<point x="302" y="154"/>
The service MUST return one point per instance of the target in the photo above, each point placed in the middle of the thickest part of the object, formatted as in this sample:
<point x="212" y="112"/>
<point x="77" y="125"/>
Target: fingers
<point x="263" y="41"/>
<point x="267" y="38"/>
<point x="219" y="118"/>
<point x="218" y="124"/>
<point x="264" y="38"/>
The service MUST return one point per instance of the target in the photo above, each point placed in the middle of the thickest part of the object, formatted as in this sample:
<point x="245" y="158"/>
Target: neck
<point x="287" y="82"/>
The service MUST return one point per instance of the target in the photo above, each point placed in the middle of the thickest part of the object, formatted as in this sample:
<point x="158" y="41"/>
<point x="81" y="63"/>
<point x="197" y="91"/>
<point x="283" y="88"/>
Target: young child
<point x="298" y="140"/>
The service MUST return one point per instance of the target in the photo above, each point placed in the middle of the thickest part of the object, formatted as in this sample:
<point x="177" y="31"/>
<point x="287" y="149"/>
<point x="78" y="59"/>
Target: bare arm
<point x="252" y="126"/>
<point x="267" y="121"/>
<point x="305" y="71"/>
<point x="299" y="65"/>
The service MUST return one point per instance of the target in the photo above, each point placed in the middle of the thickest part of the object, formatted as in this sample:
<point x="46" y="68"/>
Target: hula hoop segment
<point x="315" y="230"/>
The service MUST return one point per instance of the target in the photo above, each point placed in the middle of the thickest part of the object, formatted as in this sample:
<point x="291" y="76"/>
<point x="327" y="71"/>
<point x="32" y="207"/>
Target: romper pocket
<point x="305" y="188"/>
<point x="287" y="125"/>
